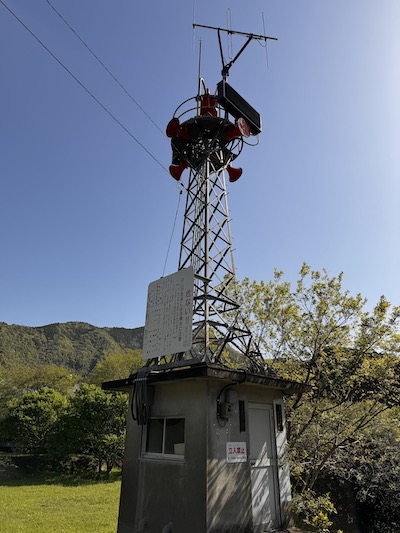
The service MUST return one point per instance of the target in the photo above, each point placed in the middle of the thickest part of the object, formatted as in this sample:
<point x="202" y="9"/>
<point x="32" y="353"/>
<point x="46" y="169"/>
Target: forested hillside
<point x="74" y="345"/>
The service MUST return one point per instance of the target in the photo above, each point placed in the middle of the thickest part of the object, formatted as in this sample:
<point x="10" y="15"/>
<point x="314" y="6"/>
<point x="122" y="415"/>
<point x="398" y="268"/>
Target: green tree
<point x="18" y="380"/>
<point x="372" y="467"/>
<point x="93" y="426"/>
<point x="59" y="378"/>
<point x="347" y="358"/>
<point x="116" y="365"/>
<point x="32" y="418"/>
<point x="15" y="381"/>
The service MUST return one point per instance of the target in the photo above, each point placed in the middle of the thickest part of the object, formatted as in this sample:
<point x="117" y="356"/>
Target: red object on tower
<point x="176" y="170"/>
<point x="232" y="133"/>
<point x="173" y="127"/>
<point x="208" y="104"/>
<point x="234" y="173"/>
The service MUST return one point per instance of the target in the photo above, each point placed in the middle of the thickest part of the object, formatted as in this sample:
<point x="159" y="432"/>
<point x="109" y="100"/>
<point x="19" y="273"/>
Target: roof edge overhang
<point x="202" y="370"/>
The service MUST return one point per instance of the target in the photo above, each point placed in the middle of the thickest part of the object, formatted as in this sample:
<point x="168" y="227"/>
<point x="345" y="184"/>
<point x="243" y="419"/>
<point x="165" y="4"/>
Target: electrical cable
<point x="133" y="100"/>
<point x="140" y="405"/>
<point x="84" y="87"/>
<point x="172" y="232"/>
<point x="100" y="104"/>
<point x="105" y="67"/>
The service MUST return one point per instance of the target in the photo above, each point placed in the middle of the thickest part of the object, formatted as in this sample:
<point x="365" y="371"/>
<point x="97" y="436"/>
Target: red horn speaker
<point x="176" y="170"/>
<point x="173" y="127"/>
<point x="233" y="132"/>
<point x="234" y="173"/>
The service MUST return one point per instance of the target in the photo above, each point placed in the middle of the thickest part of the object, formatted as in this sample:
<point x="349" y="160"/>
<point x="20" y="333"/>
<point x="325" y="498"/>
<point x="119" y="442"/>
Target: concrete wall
<point x="229" y="485"/>
<point x="163" y="491"/>
<point x="201" y="492"/>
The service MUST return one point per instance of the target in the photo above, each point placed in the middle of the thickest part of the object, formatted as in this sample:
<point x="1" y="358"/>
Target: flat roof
<point x="201" y="370"/>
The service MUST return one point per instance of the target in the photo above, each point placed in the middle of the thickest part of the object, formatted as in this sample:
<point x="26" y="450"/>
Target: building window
<point x="166" y="436"/>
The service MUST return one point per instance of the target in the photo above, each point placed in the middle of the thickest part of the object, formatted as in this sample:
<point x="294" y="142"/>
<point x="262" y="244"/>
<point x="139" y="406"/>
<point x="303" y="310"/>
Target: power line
<point x="104" y="66"/>
<point x="84" y="87"/>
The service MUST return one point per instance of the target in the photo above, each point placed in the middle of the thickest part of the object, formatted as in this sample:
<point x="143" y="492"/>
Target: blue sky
<point x="86" y="214"/>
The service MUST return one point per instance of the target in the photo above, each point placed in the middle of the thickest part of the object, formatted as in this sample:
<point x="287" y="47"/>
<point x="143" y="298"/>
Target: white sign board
<point x="169" y="315"/>
<point x="236" y="452"/>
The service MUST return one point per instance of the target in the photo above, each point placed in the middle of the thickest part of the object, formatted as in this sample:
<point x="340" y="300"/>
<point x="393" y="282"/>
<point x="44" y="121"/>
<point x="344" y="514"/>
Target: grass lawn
<point x="57" y="504"/>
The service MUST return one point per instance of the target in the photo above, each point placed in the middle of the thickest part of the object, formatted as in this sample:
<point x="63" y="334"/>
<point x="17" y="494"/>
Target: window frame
<point x="162" y="455"/>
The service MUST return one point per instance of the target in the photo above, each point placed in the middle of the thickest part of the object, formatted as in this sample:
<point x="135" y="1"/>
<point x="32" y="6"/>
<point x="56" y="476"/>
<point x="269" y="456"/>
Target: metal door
<point x="263" y="463"/>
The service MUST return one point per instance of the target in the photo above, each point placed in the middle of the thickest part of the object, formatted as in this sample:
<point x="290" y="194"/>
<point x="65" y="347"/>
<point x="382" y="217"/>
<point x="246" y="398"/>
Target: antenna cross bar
<point x="233" y="32"/>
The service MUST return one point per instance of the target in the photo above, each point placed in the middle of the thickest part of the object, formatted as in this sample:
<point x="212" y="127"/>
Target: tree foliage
<point x="116" y="365"/>
<point x="372" y="467"/>
<point x="87" y="426"/>
<point x="346" y="355"/>
<point x="93" y="425"/>
<point x="32" y="418"/>
<point x="18" y="380"/>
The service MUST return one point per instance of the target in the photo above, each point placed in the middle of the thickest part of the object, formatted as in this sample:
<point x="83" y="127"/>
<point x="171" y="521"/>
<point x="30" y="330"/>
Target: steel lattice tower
<point x="207" y="134"/>
<point x="207" y="245"/>
<point x="206" y="144"/>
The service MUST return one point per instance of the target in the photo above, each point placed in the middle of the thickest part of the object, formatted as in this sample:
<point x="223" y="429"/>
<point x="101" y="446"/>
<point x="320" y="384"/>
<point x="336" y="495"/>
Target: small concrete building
<point x="211" y="457"/>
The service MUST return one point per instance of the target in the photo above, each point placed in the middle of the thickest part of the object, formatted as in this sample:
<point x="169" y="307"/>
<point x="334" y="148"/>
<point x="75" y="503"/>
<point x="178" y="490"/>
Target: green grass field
<point x="57" y="504"/>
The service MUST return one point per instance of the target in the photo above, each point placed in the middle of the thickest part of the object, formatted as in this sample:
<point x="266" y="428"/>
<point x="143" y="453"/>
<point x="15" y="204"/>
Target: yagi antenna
<point x="250" y="36"/>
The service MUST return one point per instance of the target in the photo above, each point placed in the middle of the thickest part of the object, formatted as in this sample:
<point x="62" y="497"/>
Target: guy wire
<point x="104" y="67"/>
<point x="172" y="233"/>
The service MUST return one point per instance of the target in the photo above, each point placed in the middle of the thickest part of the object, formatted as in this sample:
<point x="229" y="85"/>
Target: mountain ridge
<point x="74" y="345"/>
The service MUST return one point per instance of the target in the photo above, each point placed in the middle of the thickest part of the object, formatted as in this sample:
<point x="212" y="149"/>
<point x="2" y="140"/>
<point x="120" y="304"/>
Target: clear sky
<point x="86" y="213"/>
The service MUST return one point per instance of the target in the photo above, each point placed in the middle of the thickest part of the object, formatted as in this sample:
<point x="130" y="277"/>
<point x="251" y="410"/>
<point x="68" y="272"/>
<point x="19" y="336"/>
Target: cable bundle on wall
<point x="140" y="402"/>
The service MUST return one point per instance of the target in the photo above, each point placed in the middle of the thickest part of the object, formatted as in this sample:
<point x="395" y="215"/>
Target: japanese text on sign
<point x="169" y="315"/>
<point x="236" y="452"/>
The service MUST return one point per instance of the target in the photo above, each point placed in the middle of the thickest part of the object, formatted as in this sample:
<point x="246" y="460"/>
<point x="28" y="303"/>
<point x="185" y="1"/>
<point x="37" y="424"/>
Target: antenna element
<point x="250" y="36"/>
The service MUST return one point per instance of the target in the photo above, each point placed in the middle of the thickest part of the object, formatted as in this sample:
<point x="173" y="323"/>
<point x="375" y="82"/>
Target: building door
<point x="264" y="470"/>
